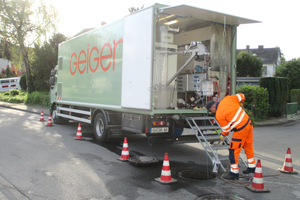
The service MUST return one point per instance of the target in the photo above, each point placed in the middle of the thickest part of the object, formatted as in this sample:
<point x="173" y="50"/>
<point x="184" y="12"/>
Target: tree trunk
<point x="29" y="78"/>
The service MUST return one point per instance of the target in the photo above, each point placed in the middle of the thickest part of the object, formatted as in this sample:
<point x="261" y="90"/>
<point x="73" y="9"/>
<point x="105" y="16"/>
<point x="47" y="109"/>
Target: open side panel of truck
<point x="137" y="60"/>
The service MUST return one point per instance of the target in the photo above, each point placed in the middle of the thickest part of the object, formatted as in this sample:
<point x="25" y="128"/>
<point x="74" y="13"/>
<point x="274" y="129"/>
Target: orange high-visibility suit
<point x="231" y="116"/>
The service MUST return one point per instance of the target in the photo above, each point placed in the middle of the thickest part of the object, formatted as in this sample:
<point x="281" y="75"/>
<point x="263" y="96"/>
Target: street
<point x="39" y="162"/>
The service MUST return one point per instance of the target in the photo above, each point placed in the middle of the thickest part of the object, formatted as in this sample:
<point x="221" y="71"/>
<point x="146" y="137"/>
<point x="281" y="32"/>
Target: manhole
<point x="194" y="175"/>
<point x="143" y="160"/>
<point x="213" y="197"/>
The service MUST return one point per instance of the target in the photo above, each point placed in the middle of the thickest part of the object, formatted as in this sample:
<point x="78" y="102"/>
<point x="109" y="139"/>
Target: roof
<point x="267" y="55"/>
<point x="206" y="15"/>
<point x="84" y="31"/>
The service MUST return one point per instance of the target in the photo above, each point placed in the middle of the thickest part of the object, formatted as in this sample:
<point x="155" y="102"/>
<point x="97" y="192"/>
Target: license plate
<point x="159" y="130"/>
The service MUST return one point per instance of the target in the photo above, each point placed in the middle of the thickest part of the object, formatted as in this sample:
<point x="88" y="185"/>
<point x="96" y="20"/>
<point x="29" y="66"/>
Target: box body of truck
<point x="146" y="72"/>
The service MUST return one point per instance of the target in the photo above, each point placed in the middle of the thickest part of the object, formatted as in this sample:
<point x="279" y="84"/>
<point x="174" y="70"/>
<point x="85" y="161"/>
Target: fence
<point x="291" y="108"/>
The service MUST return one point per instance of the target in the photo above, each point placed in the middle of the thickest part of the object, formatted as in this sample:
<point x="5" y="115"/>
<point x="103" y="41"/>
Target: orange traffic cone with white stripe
<point x="42" y="117"/>
<point x="79" y="133"/>
<point x="125" y="151"/>
<point x="49" y="124"/>
<point x="165" y="177"/>
<point x="287" y="165"/>
<point x="258" y="182"/>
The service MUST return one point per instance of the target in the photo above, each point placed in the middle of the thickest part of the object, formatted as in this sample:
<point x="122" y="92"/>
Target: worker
<point x="231" y="117"/>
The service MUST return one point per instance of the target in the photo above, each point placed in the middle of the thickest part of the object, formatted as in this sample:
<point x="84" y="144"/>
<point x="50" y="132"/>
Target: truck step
<point x="210" y="137"/>
<point x="220" y="147"/>
<point x="199" y="118"/>
<point x="203" y="128"/>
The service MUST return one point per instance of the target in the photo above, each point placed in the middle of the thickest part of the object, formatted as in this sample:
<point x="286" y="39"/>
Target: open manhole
<point x="213" y="197"/>
<point x="196" y="175"/>
<point x="143" y="160"/>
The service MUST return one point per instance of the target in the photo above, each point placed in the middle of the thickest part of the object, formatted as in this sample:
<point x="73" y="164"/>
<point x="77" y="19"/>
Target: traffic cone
<point x="258" y="182"/>
<point x="79" y="133"/>
<point x="287" y="165"/>
<point x="42" y="117"/>
<point x="165" y="177"/>
<point x="49" y="124"/>
<point x="125" y="151"/>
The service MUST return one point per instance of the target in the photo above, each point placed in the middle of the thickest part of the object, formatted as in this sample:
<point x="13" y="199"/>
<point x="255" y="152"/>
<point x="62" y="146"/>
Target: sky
<point x="279" y="27"/>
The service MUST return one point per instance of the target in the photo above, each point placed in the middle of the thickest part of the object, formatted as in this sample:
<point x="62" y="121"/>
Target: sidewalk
<point x="27" y="108"/>
<point x="270" y="122"/>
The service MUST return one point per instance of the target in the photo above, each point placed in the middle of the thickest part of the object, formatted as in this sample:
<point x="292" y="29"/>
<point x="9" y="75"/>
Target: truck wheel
<point x="100" y="129"/>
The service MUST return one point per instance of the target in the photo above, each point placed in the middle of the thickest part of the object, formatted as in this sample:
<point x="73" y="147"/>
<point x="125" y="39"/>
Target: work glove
<point x="241" y="104"/>
<point x="221" y="137"/>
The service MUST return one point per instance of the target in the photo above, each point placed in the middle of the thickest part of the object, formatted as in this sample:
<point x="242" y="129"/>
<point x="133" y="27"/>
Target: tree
<point x="45" y="59"/>
<point x="21" y="25"/>
<point x="248" y="65"/>
<point x="10" y="72"/>
<point x="291" y="70"/>
<point x="5" y="48"/>
<point x="134" y="9"/>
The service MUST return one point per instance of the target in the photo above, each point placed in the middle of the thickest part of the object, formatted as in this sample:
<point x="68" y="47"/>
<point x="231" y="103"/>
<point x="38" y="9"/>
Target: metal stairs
<point x="207" y="134"/>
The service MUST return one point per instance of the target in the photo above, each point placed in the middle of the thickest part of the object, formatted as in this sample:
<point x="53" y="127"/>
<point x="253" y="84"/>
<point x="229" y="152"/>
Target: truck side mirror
<point x="53" y="72"/>
<point x="52" y="80"/>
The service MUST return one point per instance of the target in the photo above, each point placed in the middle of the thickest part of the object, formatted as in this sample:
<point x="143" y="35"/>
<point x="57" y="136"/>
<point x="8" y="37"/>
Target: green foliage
<point x="278" y="89"/>
<point x="14" y="92"/>
<point x="134" y="9"/>
<point x="5" y="48"/>
<point x="30" y="84"/>
<point x="291" y="70"/>
<point x="23" y="83"/>
<point x="295" y="95"/>
<point x="257" y="101"/>
<point x="23" y="22"/>
<point x="44" y="61"/>
<point x="9" y="73"/>
<point x="248" y="65"/>
<point x="38" y="98"/>
<point x="6" y="97"/>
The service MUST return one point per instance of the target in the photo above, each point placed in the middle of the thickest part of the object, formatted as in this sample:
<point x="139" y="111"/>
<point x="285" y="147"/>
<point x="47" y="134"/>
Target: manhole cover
<point x="194" y="175"/>
<point x="143" y="160"/>
<point x="213" y="197"/>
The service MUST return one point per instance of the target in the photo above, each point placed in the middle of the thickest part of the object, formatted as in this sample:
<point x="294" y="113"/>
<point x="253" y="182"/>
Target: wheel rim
<point x="99" y="127"/>
<point x="54" y="114"/>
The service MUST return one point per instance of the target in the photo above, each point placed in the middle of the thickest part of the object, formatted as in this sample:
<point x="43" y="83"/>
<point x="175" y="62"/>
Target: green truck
<point x="146" y="72"/>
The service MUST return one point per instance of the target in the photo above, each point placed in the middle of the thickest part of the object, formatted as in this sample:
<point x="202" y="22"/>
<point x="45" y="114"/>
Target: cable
<point x="224" y="32"/>
<point x="242" y="183"/>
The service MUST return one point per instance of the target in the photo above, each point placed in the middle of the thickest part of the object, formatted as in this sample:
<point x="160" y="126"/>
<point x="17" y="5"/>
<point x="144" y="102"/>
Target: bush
<point x="257" y="101"/>
<point x="6" y="93"/>
<point x="23" y="83"/>
<point x="38" y="98"/>
<point x="278" y="89"/>
<point x="14" y="92"/>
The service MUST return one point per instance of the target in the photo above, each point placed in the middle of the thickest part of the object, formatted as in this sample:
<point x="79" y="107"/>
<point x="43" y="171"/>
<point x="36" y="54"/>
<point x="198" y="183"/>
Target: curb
<point x="30" y="109"/>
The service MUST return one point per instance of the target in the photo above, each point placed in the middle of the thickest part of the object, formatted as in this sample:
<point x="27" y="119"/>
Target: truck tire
<point x="100" y="129"/>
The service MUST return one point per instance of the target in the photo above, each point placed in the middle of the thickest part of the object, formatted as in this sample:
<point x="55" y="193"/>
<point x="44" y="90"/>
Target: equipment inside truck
<point x="192" y="58"/>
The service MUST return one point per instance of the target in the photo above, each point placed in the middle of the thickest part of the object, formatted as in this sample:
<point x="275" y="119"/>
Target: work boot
<point x="231" y="176"/>
<point x="249" y="170"/>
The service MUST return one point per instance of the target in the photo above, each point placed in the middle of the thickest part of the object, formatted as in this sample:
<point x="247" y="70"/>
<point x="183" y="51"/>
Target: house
<point x="4" y="63"/>
<point x="269" y="56"/>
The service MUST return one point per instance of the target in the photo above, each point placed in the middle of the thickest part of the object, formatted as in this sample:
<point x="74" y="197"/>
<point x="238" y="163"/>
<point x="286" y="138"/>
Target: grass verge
<point x="36" y="98"/>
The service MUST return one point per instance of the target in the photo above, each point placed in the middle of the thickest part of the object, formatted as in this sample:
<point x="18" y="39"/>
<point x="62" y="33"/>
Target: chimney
<point x="248" y="48"/>
<point x="260" y="48"/>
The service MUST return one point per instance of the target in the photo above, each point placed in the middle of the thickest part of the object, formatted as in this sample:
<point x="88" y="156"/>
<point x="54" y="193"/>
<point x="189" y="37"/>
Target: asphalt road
<point x="39" y="162"/>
